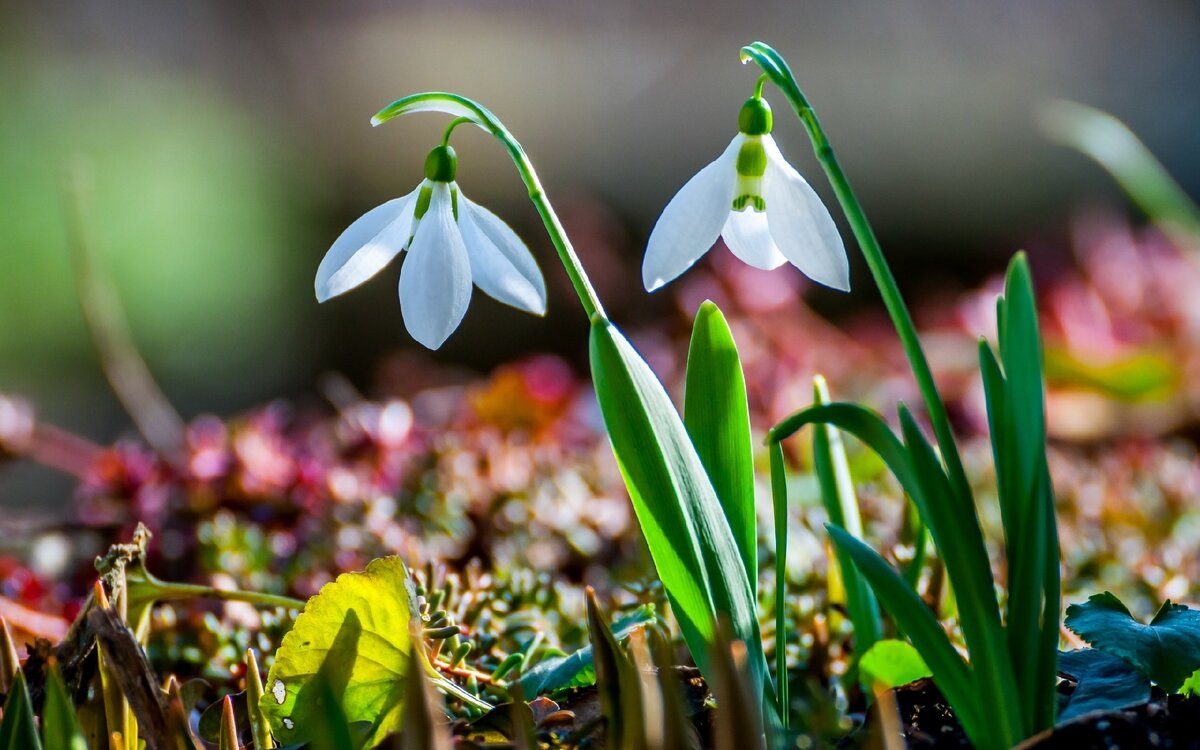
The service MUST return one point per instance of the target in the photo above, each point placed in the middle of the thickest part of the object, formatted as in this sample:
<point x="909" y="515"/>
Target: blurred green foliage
<point x="191" y="207"/>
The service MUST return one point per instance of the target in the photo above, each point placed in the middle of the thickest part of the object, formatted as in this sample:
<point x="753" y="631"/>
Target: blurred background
<point x="209" y="152"/>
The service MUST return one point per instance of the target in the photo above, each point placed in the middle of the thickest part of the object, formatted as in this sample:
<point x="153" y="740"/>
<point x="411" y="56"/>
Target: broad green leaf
<point x="950" y="672"/>
<point x="60" y="725"/>
<point x="18" y="730"/>
<point x="575" y="670"/>
<point x="891" y="663"/>
<point x="841" y="503"/>
<point x="717" y="418"/>
<point x="358" y="630"/>
<point x="1167" y="650"/>
<point x="1103" y="682"/>
<point x="689" y="539"/>
<point x="1191" y="686"/>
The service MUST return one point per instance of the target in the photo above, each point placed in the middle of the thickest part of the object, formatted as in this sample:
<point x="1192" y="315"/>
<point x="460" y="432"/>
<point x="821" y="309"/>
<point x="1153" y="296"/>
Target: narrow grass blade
<point x="864" y="424"/>
<point x="1114" y="146"/>
<point x="841" y="503"/>
<point x="60" y="725"/>
<point x="951" y="673"/>
<point x="523" y="729"/>
<point x="737" y="726"/>
<point x="228" y="738"/>
<point x="260" y="726"/>
<point x="692" y="545"/>
<point x="18" y="729"/>
<point x="423" y="709"/>
<point x="678" y="731"/>
<point x="779" y="508"/>
<point x="717" y="418"/>
<point x="10" y="663"/>
<point x="954" y="526"/>
<point x="618" y="682"/>
<point x="1014" y="394"/>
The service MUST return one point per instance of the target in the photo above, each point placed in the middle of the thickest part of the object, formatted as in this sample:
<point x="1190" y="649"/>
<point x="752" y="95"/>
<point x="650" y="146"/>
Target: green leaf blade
<point x="841" y="504"/>
<point x="951" y="673"/>
<point x="1167" y="650"/>
<point x="352" y="641"/>
<point x="1104" y="682"/>
<point x="18" y="729"/>
<point x="717" y="417"/>
<point x="692" y="545"/>
<point x="550" y="675"/>
<point x="890" y="663"/>
<point x="60" y="724"/>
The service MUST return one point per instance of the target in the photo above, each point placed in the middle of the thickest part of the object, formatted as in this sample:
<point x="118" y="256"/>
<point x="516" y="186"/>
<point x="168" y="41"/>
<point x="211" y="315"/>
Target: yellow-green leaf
<point x="355" y="636"/>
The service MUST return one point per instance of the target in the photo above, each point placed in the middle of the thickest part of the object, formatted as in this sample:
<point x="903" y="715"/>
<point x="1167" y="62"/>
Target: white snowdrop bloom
<point x="758" y="203"/>
<point x="452" y="242"/>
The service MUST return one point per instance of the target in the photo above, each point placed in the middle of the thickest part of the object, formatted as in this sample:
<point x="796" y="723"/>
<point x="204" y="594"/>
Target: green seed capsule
<point x="441" y="164"/>
<point x="755" y="117"/>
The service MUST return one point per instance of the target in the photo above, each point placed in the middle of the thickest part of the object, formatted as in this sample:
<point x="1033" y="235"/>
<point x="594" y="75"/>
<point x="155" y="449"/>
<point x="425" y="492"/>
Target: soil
<point x="928" y="724"/>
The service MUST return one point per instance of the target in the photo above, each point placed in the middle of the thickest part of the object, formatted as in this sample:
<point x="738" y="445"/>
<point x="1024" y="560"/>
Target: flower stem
<point x="468" y="110"/>
<point x="450" y="128"/>
<point x="758" y="85"/>
<point x="175" y="591"/>
<point x="776" y="69"/>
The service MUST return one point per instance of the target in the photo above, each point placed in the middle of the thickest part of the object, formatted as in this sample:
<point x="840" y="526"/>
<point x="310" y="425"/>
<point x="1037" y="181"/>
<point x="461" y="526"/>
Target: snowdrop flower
<point x="758" y="203"/>
<point x="451" y="243"/>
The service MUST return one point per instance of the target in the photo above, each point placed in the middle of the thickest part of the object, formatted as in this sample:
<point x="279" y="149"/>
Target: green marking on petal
<point x="751" y="166"/>
<point x="752" y="158"/>
<point x="742" y="202"/>
<point x="423" y="199"/>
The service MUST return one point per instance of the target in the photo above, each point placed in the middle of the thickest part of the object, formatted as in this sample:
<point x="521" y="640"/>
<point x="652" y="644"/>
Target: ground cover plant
<point x="467" y="566"/>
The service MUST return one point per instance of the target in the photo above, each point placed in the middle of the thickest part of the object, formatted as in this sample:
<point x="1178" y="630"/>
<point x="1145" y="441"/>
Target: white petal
<point x="747" y="235"/>
<point x="435" y="280"/>
<point x="801" y="225"/>
<point x="501" y="265"/>
<point x="366" y="247"/>
<point x="692" y="221"/>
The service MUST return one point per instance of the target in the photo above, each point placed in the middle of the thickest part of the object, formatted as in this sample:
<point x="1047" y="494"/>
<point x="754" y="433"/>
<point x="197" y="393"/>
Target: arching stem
<point x="776" y="69"/>
<point x="468" y="110"/>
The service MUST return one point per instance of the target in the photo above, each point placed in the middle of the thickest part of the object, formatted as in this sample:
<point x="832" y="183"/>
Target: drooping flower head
<point x="761" y="206"/>
<point x="452" y="242"/>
